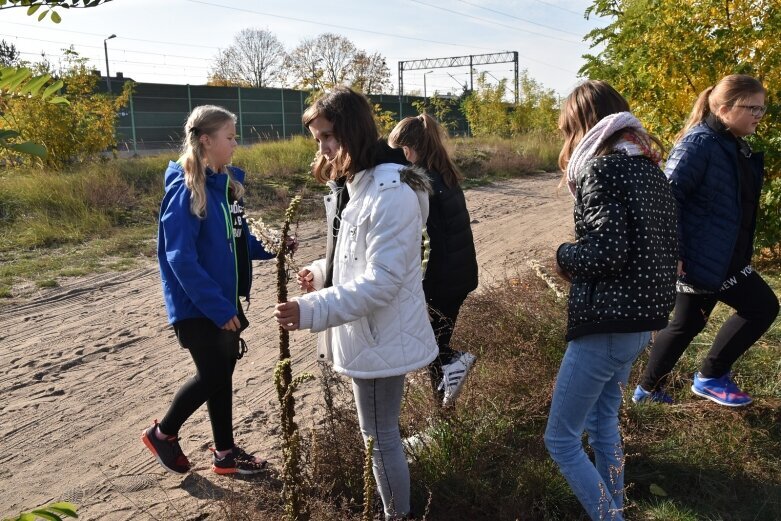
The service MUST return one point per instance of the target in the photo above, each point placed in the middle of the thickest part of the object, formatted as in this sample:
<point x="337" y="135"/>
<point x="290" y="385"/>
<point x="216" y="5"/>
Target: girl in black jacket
<point x="622" y="269"/>
<point x="451" y="272"/>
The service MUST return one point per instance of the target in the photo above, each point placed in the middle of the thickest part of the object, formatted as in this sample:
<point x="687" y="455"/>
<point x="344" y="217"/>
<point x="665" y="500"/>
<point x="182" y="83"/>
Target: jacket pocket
<point x="361" y="332"/>
<point x="591" y="289"/>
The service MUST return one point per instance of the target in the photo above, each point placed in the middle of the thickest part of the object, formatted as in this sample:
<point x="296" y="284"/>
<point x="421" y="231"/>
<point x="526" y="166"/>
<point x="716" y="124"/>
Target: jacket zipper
<point x="232" y="238"/>
<point x="245" y="231"/>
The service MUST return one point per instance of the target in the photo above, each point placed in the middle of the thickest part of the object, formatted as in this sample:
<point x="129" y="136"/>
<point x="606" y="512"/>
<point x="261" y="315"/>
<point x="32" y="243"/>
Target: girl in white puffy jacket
<point x="366" y="296"/>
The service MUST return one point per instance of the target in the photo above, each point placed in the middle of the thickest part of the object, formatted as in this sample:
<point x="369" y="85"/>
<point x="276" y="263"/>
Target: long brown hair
<point x="586" y="105"/>
<point x="203" y="120"/>
<point x="728" y="92"/>
<point x="424" y="135"/>
<point x="354" y="128"/>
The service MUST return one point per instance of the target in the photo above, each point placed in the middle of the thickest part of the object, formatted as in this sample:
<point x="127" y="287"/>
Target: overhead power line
<point x="114" y="60"/>
<point x="324" y="24"/>
<point x="549" y="4"/>
<point x="199" y="58"/>
<point x="101" y="35"/>
<point x="514" y="28"/>
<point x="518" y="18"/>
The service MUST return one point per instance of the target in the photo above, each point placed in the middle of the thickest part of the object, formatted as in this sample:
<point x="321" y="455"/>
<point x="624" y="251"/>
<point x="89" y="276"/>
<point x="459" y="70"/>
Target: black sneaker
<point x="168" y="453"/>
<point x="237" y="462"/>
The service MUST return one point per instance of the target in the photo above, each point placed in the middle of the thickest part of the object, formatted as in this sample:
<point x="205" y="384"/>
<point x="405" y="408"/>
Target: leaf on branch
<point x="28" y="147"/>
<point x="45" y="514"/>
<point x="8" y="134"/>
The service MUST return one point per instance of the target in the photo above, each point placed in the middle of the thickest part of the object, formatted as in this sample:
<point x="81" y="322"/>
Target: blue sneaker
<point x="641" y="395"/>
<point x="720" y="390"/>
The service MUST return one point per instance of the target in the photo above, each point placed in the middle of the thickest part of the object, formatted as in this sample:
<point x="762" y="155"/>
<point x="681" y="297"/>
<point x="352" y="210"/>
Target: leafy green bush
<point x="71" y="132"/>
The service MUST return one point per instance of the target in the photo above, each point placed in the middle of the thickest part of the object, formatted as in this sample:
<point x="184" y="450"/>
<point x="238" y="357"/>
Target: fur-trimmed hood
<point x="416" y="178"/>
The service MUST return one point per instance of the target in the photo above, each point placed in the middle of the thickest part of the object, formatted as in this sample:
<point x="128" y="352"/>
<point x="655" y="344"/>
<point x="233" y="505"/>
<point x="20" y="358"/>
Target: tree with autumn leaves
<point x="661" y="54"/>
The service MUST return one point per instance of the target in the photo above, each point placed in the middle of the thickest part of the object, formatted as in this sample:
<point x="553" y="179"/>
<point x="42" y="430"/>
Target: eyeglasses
<point x="756" y="110"/>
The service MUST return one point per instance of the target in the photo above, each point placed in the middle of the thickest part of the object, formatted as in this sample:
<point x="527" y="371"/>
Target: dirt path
<point x="87" y="366"/>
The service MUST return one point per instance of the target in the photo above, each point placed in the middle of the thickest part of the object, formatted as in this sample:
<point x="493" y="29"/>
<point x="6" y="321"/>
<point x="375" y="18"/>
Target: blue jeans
<point x="588" y="392"/>
<point x="379" y="405"/>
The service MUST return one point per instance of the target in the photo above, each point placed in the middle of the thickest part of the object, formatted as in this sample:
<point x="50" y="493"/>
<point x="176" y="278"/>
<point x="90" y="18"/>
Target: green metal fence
<point x="156" y="113"/>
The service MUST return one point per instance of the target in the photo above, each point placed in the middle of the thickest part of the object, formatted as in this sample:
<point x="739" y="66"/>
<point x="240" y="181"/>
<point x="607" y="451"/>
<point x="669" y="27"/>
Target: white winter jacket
<point x="374" y="318"/>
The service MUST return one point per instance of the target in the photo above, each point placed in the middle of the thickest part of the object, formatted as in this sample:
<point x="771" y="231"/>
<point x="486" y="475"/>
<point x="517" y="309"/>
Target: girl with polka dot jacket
<point x="622" y="269"/>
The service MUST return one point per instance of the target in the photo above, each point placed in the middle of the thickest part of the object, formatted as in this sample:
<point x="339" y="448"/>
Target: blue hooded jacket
<point x="705" y="179"/>
<point x="197" y="257"/>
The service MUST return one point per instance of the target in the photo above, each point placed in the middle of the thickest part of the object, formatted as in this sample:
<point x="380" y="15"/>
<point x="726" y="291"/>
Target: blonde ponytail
<point x="205" y="119"/>
<point x="728" y="92"/>
<point x="699" y="112"/>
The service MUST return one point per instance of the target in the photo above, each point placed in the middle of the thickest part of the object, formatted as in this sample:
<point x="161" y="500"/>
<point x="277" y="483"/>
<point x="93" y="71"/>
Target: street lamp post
<point x="108" y="74"/>
<point x="424" y="82"/>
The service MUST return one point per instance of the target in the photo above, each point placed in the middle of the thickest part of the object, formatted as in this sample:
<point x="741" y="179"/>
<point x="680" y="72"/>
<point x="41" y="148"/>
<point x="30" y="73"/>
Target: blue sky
<point x="175" y="41"/>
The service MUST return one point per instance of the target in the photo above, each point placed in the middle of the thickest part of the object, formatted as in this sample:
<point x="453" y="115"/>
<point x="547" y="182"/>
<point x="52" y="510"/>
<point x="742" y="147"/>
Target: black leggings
<point x="756" y="307"/>
<point x="214" y="353"/>
<point x="443" y="320"/>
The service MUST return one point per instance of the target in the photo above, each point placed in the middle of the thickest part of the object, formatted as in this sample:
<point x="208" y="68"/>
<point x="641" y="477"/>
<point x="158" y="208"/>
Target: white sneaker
<point x="453" y="376"/>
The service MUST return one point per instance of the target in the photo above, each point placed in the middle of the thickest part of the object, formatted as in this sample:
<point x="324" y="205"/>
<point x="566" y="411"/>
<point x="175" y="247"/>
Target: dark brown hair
<point x="424" y="135"/>
<point x="354" y="128"/>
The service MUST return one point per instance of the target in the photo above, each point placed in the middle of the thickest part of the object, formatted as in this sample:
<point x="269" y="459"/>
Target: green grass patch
<point x="486" y="159"/>
<point x="122" y="248"/>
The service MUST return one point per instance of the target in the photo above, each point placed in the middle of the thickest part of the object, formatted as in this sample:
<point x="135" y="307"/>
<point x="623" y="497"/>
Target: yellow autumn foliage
<point x="72" y="132"/>
<point x="660" y="54"/>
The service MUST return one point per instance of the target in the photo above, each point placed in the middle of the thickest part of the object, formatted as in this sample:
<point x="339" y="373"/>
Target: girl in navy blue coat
<point x="205" y="252"/>
<point x="716" y="179"/>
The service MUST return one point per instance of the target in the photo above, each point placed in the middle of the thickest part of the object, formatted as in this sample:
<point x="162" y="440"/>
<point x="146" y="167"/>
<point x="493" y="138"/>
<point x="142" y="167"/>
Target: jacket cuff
<point x="306" y="312"/>
<point x="559" y="259"/>
<point x="318" y="273"/>
<point x="221" y="320"/>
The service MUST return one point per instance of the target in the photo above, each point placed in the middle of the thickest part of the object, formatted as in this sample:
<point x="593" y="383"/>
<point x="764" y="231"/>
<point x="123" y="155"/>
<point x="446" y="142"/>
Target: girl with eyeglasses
<point x="716" y="179"/>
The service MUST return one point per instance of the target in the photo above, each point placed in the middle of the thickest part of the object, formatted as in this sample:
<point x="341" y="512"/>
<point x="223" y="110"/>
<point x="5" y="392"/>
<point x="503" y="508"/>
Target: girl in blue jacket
<point x="205" y="251"/>
<point x="716" y="179"/>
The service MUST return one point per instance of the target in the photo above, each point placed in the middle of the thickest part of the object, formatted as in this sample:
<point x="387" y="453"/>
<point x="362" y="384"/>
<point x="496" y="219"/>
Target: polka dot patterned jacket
<point x="623" y="262"/>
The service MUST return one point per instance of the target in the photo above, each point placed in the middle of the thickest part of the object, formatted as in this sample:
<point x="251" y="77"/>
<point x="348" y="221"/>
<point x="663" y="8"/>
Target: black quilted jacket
<point x="623" y="264"/>
<point x="452" y="265"/>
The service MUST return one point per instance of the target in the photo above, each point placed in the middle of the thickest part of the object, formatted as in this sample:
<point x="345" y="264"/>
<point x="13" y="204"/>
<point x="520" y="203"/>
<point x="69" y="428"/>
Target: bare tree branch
<point x="253" y="60"/>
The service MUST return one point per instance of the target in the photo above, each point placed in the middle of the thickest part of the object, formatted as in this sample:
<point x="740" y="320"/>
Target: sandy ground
<point x="87" y="366"/>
